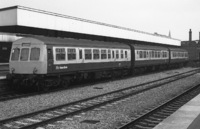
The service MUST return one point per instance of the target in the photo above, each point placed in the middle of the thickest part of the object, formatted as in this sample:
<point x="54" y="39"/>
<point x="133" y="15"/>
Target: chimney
<point x="190" y="35"/>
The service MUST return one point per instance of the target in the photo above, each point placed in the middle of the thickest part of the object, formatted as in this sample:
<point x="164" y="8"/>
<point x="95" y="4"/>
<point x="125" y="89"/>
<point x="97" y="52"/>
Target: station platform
<point x="186" y="117"/>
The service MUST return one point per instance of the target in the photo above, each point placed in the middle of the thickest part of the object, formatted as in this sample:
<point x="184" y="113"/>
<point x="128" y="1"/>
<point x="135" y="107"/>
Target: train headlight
<point x="35" y="70"/>
<point x="12" y="70"/>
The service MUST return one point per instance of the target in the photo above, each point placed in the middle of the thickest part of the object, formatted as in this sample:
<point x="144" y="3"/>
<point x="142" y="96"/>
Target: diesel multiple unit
<point x="45" y="61"/>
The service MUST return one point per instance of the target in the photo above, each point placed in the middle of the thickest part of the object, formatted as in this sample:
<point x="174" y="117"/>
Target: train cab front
<point x="27" y="62"/>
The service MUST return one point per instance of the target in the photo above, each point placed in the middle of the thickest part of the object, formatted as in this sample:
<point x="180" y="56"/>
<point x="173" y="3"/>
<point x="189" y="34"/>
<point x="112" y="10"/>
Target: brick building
<point x="193" y="47"/>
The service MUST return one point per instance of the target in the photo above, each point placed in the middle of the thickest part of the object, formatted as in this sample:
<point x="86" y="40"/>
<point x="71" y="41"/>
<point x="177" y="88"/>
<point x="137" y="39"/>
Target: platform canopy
<point x="18" y="19"/>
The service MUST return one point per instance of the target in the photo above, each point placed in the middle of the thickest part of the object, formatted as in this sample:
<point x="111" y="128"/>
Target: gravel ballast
<point x="111" y="115"/>
<point x="26" y="105"/>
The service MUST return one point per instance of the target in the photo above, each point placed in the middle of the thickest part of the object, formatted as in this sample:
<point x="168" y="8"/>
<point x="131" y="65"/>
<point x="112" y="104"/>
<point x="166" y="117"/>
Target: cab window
<point x="15" y="54"/>
<point x="24" y="54"/>
<point x="35" y="53"/>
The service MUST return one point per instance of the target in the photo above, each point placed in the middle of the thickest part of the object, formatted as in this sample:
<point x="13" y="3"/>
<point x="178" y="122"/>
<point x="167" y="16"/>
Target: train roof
<point x="147" y="47"/>
<point x="177" y="49"/>
<point x="4" y="37"/>
<point x="70" y="41"/>
<point x="19" y="19"/>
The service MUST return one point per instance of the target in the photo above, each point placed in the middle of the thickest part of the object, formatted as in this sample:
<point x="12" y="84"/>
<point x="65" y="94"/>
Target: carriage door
<point x="49" y="60"/>
<point x="80" y="55"/>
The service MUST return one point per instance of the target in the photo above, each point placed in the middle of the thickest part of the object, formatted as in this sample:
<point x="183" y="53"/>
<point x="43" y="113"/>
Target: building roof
<point x="19" y="16"/>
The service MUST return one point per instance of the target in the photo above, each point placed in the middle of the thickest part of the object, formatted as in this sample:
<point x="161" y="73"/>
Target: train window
<point x="80" y="54"/>
<point x="4" y="48"/>
<point x="71" y="54"/>
<point x="144" y="54"/>
<point x="15" y="54"/>
<point x="150" y="54"/>
<point x="158" y="54"/>
<point x="122" y="54"/>
<point x="88" y="54"/>
<point x="140" y="54"/>
<point x="35" y="53"/>
<point x="24" y="54"/>
<point x="60" y="54"/>
<point x="126" y="54"/>
<point x="96" y="54"/>
<point x="109" y="54"/>
<point x="117" y="54"/>
<point x="113" y="54"/>
<point x="103" y="54"/>
<point x="153" y="54"/>
<point x="164" y="54"/>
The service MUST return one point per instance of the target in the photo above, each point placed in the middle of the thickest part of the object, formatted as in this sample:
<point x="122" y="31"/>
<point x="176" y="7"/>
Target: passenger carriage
<point x="178" y="56"/>
<point x="53" y="61"/>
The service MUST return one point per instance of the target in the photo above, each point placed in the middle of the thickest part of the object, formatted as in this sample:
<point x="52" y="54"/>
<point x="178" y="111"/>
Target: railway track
<point x="6" y="95"/>
<point x="154" y="115"/>
<point x="9" y="95"/>
<point x="51" y="115"/>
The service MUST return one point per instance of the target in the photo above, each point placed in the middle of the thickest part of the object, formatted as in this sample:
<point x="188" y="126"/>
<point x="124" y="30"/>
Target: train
<point x="45" y="62"/>
<point x="6" y="40"/>
<point x="5" y="48"/>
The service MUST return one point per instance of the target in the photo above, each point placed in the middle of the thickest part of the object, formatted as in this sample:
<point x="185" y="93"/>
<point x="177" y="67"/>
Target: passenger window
<point x="35" y="53"/>
<point x="113" y="54"/>
<point x="145" y="54"/>
<point x="71" y="54"/>
<point x="80" y="54"/>
<point x="117" y="54"/>
<point x="103" y="54"/>
<point x="140" y="54"/>
<point x="60" y="54"/>
<point x="158" y="54"/>
<point x="122" y="54"/>
<point x="109" y="54"/>
<point x="153" y="54"/>
<point x="126" y="55"/>
<point x="24" y="54"/>
<point x="96" y="54"/>
<point x="15" y="54"/>
<point x="88" y="54"/>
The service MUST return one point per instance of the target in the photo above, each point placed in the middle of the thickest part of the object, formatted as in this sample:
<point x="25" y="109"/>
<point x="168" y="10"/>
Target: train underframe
<point x="45" y="82"/>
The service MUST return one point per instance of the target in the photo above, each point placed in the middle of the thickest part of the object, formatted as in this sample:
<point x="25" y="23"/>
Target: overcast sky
<point x="161" y="16"/>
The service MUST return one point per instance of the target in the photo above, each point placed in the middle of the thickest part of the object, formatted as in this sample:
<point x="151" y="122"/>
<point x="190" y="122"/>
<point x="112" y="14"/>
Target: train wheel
<point x="43" y="86"/>
<point x="65" y="83"/>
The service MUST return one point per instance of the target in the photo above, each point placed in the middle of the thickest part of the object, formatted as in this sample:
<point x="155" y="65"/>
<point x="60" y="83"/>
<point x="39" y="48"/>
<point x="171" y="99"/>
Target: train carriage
<point x="54" y="60"/>
<point x="5" y="48"/>
<point x="178" y="56"/>
<point x="149" y="57"/>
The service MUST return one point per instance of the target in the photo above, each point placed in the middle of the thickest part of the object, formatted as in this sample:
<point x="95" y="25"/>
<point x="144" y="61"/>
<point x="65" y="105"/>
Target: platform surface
<point x="186" y="117"/>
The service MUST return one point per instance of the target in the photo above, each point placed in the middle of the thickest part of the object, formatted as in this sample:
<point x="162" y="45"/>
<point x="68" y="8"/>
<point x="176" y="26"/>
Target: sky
<point x="160" y="16"/>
